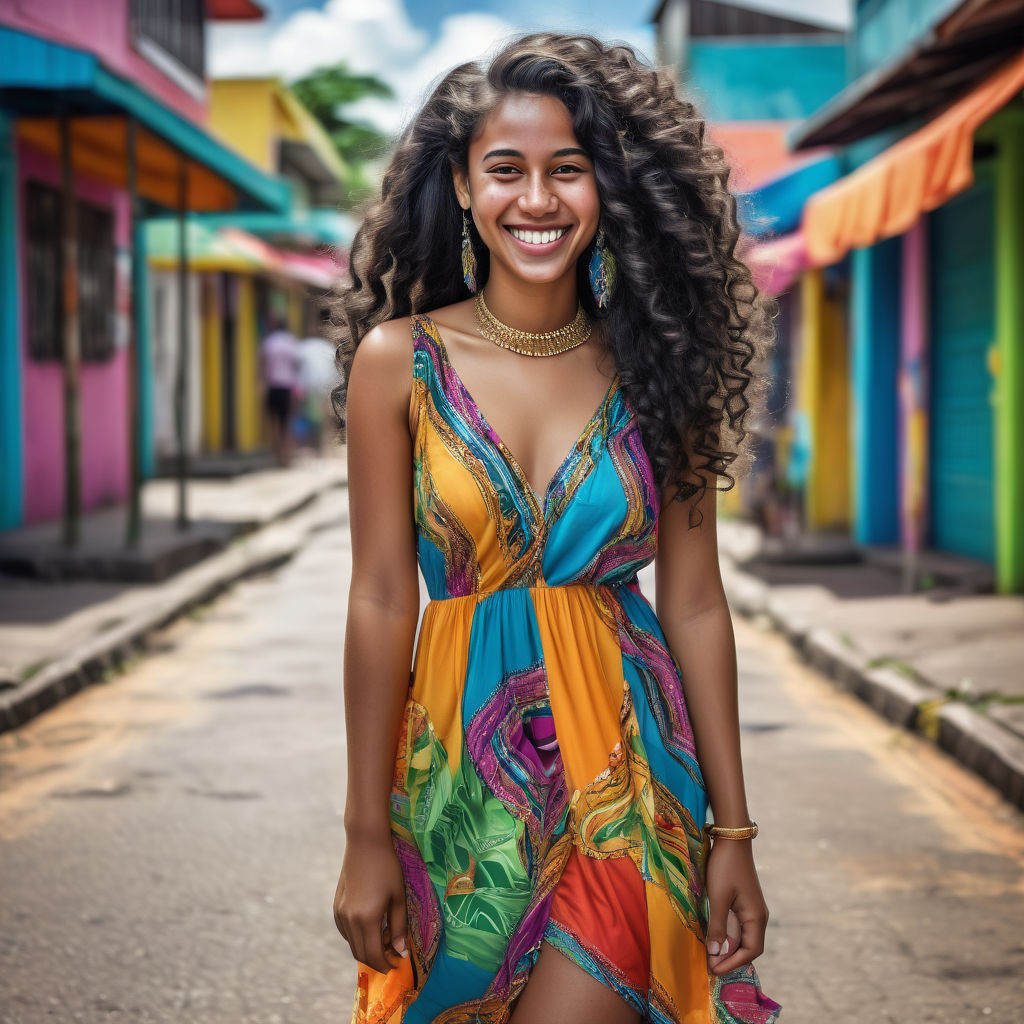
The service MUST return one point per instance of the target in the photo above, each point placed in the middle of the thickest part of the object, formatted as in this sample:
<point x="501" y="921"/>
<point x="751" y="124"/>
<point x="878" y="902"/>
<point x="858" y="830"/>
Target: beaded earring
<point x="602" y="271"/>
<point x="468" y="256"/>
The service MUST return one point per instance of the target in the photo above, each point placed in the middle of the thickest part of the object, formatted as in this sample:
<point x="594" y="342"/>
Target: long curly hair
<point x="686" y="320"/>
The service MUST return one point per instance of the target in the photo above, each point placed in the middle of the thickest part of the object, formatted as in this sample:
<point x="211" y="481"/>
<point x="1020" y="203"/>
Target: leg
<point x="560" y="992"/>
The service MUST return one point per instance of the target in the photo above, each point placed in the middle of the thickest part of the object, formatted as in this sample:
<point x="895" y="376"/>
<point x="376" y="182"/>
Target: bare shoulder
<point x="382" y="366"/>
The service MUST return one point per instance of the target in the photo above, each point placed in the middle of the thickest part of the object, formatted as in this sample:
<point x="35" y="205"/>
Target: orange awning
<point x="885" y="196"/>
<point x="99" y="149"/>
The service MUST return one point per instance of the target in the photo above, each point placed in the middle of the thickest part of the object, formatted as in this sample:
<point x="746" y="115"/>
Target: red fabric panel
<point x="604" y="904"/>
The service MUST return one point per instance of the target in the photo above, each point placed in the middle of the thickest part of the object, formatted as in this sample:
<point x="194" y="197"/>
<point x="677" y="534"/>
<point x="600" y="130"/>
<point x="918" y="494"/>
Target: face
<point x="530" y="188"/>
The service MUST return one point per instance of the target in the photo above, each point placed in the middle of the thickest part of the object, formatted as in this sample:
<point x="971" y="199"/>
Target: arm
<point x="383" y="608"/>
<point x="695" y="617"/>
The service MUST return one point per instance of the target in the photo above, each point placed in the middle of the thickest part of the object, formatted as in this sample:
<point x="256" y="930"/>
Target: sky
<point x="410" y="43"/>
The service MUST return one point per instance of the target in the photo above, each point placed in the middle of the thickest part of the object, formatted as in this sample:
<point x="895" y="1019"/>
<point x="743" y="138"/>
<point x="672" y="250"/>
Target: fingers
<point x="717" y="918"/>
<point x="751" y="943"/>
<point x="397" y="919"/>
<point x="363" y="930"/>
<point x="377" y="941"/>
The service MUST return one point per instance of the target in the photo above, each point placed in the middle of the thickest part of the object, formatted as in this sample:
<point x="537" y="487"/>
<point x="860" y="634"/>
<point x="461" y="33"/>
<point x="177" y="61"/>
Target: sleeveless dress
<point x="546" y="785"/>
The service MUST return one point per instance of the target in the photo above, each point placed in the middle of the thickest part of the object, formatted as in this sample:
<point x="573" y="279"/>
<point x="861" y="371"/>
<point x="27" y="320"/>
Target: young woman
<point x="544" y="360"/>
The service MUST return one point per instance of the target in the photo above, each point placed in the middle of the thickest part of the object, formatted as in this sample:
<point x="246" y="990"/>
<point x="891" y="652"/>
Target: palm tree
<point x="326" y="92"/>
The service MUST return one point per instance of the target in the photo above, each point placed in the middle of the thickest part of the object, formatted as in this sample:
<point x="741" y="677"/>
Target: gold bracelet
<point x="721" y="832"/>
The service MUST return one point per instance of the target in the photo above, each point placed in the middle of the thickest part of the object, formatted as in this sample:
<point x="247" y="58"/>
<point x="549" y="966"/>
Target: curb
<point x="977" y="742"/>
<point x="262" y="550"/>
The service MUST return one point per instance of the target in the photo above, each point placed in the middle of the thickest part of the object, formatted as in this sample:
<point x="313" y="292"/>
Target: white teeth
<point x="538" y="237"/>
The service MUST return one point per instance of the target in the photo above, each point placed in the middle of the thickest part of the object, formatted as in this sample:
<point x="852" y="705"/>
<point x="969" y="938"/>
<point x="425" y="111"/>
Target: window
<point x="43" y="270"/>
<point x="44" y="230"/>
<point x="174" y="27"/>
<point x="96" y="280"/>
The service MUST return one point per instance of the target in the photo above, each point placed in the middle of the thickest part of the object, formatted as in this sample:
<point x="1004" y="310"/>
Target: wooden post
<point x="181" y="376"/>
<point x="133" y="531"/>
<point x="71" y="343"/>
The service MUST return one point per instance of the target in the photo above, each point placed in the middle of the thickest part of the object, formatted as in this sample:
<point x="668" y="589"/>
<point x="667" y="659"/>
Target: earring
<point x="602" y="271"/>
<point x="468" y="256"/>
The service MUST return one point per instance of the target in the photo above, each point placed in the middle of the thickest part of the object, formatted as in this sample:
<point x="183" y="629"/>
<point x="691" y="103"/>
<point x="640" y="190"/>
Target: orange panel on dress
<point x="603" y="903"/>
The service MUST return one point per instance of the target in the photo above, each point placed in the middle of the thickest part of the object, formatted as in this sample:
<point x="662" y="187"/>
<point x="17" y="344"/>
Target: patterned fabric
<point x="546" y="785"/>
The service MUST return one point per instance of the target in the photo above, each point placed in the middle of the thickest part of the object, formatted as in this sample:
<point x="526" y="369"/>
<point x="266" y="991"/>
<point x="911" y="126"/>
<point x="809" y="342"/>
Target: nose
<point x="536" y="200"/>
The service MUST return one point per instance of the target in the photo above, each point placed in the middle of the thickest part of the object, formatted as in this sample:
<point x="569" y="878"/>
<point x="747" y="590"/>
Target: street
<point x="170" y="840"/>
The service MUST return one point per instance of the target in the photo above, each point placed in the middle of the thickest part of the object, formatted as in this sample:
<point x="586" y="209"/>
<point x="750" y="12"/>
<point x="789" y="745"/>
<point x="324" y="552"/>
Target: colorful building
<point x="927" y="219"/>
<point x="102" y="110"/>
<point x="252" y="265"/>
<point x="755" y="76"/>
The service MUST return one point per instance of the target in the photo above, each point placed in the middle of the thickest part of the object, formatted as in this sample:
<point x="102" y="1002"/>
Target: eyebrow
<point x="568" y="151"/>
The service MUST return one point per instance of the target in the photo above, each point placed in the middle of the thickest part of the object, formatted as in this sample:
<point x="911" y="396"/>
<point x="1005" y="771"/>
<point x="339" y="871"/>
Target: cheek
<point x="583" y="200"/>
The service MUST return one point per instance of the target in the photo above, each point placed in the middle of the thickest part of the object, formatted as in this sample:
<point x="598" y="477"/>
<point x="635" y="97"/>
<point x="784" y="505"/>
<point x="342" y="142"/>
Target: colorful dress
<point x="546" y="785"/>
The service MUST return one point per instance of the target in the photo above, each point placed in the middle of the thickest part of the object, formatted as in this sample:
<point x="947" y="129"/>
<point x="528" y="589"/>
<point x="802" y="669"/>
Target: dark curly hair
<point x="686" y="320"/>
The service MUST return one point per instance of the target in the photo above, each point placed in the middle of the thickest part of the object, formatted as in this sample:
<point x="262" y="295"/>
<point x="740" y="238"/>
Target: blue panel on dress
<point x="591" y="522"/>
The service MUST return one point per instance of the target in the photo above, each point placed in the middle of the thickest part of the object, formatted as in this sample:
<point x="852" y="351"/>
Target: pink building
<point x="96" y="90"/>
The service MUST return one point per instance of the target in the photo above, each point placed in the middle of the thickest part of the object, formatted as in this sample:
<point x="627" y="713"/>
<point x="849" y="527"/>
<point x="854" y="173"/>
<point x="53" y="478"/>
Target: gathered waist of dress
<point x="580" y="584"/>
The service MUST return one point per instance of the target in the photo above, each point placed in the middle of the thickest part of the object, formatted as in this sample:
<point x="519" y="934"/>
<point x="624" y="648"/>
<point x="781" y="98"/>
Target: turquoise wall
<point x="886" y="28"/>
<point x="875" y="356"/>
<point x="11" y="491"/>
<point x="757" y="80"/>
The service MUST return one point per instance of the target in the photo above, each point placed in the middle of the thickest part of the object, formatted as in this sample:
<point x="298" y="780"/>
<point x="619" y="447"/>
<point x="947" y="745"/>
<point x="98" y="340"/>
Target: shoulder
<point x="383" y="362"/>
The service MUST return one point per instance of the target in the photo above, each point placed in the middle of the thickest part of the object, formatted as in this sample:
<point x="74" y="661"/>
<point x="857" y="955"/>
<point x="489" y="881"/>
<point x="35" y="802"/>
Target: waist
<point x="476" y="595"/>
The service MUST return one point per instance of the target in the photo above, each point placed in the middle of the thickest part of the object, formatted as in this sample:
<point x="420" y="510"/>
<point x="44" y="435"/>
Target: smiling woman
<point x="526" y="809"/>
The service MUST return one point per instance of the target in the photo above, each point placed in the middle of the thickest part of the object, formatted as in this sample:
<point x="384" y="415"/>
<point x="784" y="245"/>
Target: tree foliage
<point x="326" y="92"/>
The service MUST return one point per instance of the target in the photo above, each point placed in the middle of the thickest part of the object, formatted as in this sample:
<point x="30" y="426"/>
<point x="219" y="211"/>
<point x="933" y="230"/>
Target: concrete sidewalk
<point x="950" y="665"/>
<point x="58" y="635"/>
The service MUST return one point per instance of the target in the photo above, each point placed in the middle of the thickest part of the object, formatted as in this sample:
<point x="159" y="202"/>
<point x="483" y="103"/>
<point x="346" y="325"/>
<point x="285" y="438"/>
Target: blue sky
<point x="410" y="43"/>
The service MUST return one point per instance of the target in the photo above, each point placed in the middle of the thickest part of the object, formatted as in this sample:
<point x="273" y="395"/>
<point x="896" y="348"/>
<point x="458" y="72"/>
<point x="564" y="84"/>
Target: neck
<point x="531" y="307"/>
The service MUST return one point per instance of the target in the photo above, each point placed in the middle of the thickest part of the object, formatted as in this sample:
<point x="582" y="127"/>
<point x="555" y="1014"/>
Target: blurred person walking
<point x="529" y="779"/>
<point x="317" y="376"/>
<point x="281" y="366"/>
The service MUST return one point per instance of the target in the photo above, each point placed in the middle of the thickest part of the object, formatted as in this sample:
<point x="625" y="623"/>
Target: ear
<point x="461" y="181"/>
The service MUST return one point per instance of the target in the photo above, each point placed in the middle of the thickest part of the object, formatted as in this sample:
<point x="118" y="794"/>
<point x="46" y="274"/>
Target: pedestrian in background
<point x="281" y="366"/>
<point x="526" y="836"/>
<point x="316" y="378"/>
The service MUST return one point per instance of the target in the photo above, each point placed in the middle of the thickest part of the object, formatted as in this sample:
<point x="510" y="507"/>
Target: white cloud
<point x="373" y="38"/>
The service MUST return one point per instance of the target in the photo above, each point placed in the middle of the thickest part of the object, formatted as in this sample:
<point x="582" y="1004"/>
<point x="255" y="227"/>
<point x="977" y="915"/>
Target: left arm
<point x="694" y="614"/>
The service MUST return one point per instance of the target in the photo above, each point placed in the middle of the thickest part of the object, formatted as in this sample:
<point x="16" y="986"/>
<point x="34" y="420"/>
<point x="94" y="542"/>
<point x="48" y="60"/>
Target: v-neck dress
<point x="546" y="786"/>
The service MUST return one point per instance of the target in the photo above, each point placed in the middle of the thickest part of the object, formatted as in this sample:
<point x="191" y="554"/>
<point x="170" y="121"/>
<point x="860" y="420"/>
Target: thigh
<point x="560" y="992"/>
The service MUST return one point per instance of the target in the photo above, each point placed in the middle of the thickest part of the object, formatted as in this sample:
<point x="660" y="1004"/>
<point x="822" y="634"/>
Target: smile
<point x="529" y="237"/>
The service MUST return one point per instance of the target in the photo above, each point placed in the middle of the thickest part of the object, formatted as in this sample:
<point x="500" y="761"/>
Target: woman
<point x="544" y="349"/>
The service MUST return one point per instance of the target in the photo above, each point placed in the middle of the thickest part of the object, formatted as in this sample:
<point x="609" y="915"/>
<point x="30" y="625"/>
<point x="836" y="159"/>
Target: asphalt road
<point x="170" y="841"/>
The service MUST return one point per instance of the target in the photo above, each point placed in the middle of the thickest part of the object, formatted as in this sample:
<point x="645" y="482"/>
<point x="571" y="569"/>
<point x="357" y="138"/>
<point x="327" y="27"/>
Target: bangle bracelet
<point x="721" y="832"/>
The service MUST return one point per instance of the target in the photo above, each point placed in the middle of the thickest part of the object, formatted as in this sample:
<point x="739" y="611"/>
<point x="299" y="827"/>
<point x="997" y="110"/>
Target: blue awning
<point x="40" y="79"/>
<point x="777" y="206"/>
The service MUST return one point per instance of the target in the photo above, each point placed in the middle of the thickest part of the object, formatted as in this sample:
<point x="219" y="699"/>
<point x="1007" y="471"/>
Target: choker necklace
<point x="530" y="343"/>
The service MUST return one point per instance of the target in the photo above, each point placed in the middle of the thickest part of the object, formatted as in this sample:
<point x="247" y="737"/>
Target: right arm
<point x="383" y="608"/>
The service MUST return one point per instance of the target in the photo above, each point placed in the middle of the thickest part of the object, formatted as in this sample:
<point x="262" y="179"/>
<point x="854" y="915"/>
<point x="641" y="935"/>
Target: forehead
<point x="527" y="122"/>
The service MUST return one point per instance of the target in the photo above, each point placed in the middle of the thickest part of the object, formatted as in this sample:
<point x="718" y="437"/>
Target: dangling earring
<point x="602" y="271"/>
<point x="468" y="256"/>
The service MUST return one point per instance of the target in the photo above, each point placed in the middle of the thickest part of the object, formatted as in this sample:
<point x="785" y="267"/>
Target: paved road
<point x="169" y="842"/>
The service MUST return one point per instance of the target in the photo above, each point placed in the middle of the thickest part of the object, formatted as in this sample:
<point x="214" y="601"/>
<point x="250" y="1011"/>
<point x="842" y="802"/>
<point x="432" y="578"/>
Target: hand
<point x="738" y="915"/>
<point x="369" y="904"/>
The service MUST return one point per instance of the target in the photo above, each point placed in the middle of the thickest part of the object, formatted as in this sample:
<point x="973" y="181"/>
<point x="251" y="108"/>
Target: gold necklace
<point x="531" y="343"/>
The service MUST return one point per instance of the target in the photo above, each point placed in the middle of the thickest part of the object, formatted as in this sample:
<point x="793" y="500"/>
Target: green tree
<point x="326" y="92"/>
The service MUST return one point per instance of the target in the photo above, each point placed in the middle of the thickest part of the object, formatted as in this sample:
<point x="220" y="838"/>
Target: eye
<point x="569" y="169"/>
<point x="505" y="170"/>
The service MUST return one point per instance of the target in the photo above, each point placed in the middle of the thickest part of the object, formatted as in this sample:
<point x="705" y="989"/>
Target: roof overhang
<point x="887" y="195"/>
<point x="40" y="81"/>
<point x="298" y="157"/>
<point x="960" y="49"/>
<point x="776" y="206"/>
<point x="234" y="10"/>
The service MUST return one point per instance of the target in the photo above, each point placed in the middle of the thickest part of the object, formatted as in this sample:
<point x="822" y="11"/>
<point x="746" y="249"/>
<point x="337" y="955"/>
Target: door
<point x="962" y="288"/>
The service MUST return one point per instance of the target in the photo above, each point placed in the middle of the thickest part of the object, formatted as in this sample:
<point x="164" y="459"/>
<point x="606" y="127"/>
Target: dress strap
<point x="419" y="383"/>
